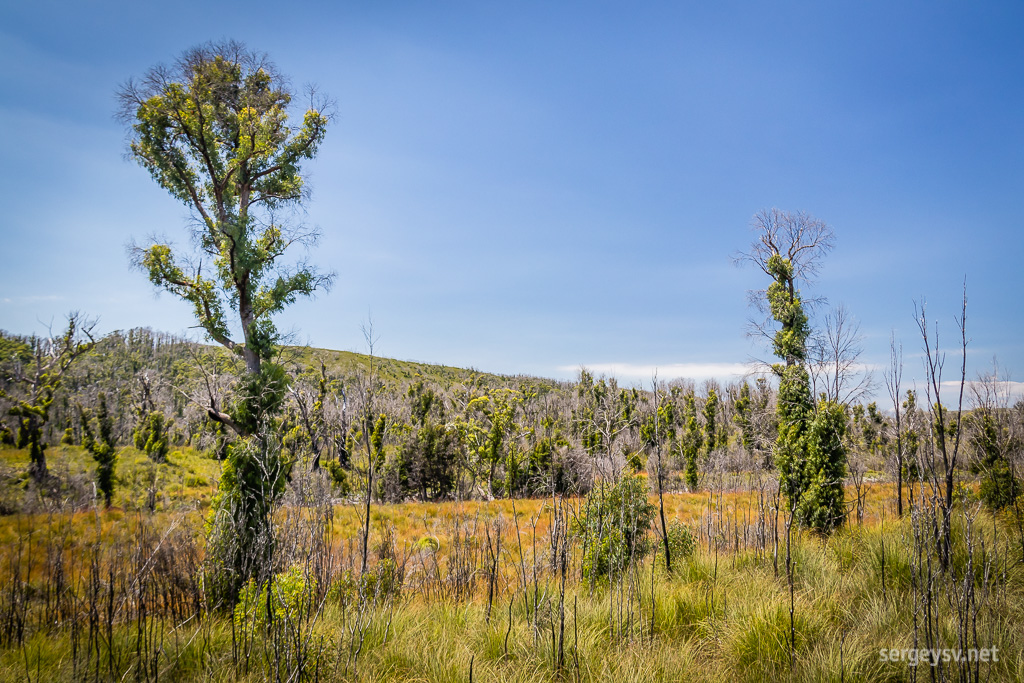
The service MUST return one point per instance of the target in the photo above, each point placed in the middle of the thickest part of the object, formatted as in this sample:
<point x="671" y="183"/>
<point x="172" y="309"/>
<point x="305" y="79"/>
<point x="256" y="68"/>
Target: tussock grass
<point x="722" y="614"/>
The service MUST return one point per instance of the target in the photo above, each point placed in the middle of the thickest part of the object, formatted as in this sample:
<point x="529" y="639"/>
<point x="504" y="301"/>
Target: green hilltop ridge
<point x="393" y="370"/>
<point x="120" y="354"/>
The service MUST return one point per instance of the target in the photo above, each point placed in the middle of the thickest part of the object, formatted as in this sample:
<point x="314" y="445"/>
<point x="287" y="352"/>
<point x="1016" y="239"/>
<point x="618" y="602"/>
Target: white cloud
<point x="1007" y="389"/>
<point x="31" y="299"/>
<point x="644" y="372"/>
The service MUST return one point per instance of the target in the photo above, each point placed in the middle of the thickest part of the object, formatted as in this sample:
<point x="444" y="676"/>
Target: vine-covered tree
<point x="213" y="130"/>
<point x="101" y="446"/>
<point x="809" y="450"/>
<point x="692" y="440"/>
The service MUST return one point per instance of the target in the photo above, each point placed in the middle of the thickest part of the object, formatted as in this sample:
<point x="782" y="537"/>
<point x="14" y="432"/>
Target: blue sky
<point x="528" y="187"/>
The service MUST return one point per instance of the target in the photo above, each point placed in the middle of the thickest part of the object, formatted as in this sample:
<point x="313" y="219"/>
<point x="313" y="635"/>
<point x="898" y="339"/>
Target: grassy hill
<point x="394" y="371"/>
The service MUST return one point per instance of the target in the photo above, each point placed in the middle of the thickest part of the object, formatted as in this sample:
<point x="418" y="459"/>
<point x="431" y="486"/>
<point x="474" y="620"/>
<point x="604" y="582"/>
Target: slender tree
<point x="893" y="379"/>
<point x="101" y="445"/>
<point x="692" y="441"/>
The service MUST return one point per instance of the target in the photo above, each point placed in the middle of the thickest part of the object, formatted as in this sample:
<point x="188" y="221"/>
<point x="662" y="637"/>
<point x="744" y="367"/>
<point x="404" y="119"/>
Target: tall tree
<point x="712" y="436"/>
<point x="692" y="440"/>
<point x="809" y="451"/>
<point x="213" y="130"/>
<point x="101" y="446"/>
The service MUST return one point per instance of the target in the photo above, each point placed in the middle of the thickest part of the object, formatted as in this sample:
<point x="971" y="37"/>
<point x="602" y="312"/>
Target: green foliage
<point x="614" y="526"/>
<point x="911" y="439"/>
<point x="423" y="401"/>
<point x="284" y="599"/>
<point x="100" y="443"/>
<point x="790" y="342"/>
<point x="822" y="505"/>
<point x="430" y="459"/>
<point x="692" y="440"/>
<point x="151" y="436"/>
<point x="50" y="359"/>
<point x="658" y="425"/>
<point x="339" y="477"/>
<point x="241" y="543"/>
<point x="809" y="451"/>
<point x="260" y="396"/>
<point x="741" y="419"/>
<point x="214" y="133"/>
<point x="682" y="542"/>
<point x="487" y="429"/>
<point x="635" y="461"/>
<point x="1000" y="488"/>
<point x="712" y="435"/>
<point x="963" y="494"/>
<point x="381" y="583"/>
<point x="13" y="348"/>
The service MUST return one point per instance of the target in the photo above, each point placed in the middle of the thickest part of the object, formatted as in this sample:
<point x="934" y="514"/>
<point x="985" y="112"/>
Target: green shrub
<point x="289" y="599"/>
<point x="339" y="477"/>
<point x="613" y="526"/>
<point x="681" y="540"/>
<point x="999" y="488"/>
<point x="963" y="493"/>
<point x="151" y="436"/>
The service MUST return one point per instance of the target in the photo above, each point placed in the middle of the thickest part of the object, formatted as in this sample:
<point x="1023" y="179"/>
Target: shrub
<point x="151" y="436"/>
<point x="999" y="488"/>
<point x="681" y="540"/>
<point x="339" y="477"/>
<point x="289" y="598"/>
<point x="614" y="525"/>
<point x="963" y="493"/>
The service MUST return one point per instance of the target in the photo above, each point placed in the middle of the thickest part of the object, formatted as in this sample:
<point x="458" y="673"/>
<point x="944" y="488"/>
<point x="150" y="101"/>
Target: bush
<point x="614" y="526"/>
<point x="151" y="436"/>
<point x="963" y="493"/>
<point x="289" y="598"/>
<point x="339" y="477"/>
<point x="999" y="488"/>
<point x="681" y="540"/>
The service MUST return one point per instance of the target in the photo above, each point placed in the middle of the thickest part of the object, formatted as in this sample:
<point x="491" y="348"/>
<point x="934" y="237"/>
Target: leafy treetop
<point x="213" y="131"/>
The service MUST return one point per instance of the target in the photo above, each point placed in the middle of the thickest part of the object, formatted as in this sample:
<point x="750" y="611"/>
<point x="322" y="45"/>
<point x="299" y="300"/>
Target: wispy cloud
<point x="1002" y="388"/>
<point x="31" y="299"/>
<point x="644" y="372"/>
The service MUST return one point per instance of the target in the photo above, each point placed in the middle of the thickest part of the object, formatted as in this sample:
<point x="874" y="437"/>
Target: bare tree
<point x="797" y="237"/>
<point x="368" y="390"/>
<point x="661" y="475"/>
<point x="946" y="432"/>
<point x="834" y="359"/>
<point x="310" y="402"/>
<point x="893" y="379"/>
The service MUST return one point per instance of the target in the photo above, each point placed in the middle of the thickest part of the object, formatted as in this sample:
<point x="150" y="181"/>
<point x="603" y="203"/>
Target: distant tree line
<point x="475" y="435"/>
